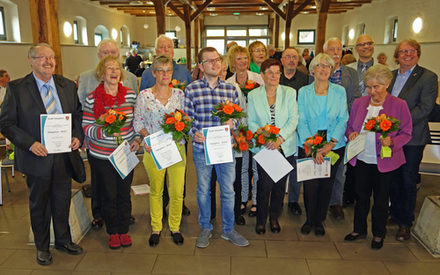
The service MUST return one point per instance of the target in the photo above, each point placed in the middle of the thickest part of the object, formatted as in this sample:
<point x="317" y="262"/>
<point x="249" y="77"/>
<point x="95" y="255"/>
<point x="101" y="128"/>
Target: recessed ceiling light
<point x="264" y="8"/>
<point x="210" y="9"/>
<point x="305" y="12"/>
<point x="213" y="14"/>
<point x="259" y="13"/>
<point x="313" y="7"/>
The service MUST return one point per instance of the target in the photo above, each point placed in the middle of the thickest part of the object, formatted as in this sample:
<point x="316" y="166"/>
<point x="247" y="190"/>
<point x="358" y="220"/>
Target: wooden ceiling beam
<point x="275" y="8"/>
<point x="200" y="9"/>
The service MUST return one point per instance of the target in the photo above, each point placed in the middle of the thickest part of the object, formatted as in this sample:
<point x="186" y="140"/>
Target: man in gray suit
<point x="418" y="86"/>
<point x="365" y="49"/>
<point x="87" y="83"/>
<point x="348" y="78"/>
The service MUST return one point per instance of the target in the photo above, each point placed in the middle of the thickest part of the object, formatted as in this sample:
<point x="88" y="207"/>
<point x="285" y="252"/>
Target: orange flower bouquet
<point x="314" y="143"/>
<point x="226" y="110"/>
<point x="249" y="86"/>
<point x="112" y="122"/>
<point x="177" y="84"/>
<point x="383" y="125"/>
<point x="265" y="134"/>
<point x="243" y="138"/>
<point x="178" y="123"/>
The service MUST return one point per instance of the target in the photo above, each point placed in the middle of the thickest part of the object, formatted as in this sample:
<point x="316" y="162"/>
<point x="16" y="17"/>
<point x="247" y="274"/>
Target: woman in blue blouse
<point x="322" y="107"/>
<point x="272" y="104"/>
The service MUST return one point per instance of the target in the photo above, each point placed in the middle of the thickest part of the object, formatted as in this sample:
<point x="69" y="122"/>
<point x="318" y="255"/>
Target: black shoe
<point x="240" y="220"/>
<point x="350" y="237"/>
<point x="70" y="248"/>
<point x="87" y="190"/>
<point x="337" y="212"/>
<point x="131" y="220"/>
<point x="243" y="207"/>
<point x="306" y="229"/>
<point x="97" y="223"/>
<point x="274" y="226"/>
<point x="319" y="230"/>
<point x="260" y="229"/>
<point x="154" y="240"/>
<point x="44" y="257"/>
<point x="177" y="238"/>
<point x="376" y="245"/>
<point x="253" y="213"/>
<point x="294" y="208"/>
<point x="347" y="203"/>
<point x="185" y="211"/>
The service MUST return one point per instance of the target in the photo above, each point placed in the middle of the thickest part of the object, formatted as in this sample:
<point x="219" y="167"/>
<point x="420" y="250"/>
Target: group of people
<point x="334" y="101"/>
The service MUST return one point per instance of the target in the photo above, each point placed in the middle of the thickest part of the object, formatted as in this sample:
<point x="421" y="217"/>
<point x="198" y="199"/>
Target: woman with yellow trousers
<point x="151" y="106"/>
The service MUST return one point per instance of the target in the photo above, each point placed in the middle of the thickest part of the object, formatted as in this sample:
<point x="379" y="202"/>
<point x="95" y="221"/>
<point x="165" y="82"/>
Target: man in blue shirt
<point x="164" y="45"/>
<point x="200" y="98"/>
<point x="418" y="86"/>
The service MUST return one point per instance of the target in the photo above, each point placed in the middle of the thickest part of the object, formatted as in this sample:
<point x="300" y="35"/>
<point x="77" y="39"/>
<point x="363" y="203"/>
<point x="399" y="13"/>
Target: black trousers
<point x="237" y="189"/>
<point x="317" y="193"/>
<point x="349" y="185"/>
<point x="114" y="194"/>
<point x="49" y="198"/>
<point x="370" y="179"/>
<point x="270" y="195"/>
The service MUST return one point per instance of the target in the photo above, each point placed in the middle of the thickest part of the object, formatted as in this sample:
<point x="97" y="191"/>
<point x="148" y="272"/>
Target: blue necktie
<point x="49" y="100"/>
<point x="361" y="82"/>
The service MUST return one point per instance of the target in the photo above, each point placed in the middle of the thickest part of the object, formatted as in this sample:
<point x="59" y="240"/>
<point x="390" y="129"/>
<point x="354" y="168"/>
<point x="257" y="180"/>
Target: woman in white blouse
<point x="151" y="106"/>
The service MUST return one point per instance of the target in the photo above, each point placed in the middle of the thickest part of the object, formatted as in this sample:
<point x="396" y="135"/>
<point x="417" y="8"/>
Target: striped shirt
<point x="200" y="100"/>
<point x="101" y="145"/>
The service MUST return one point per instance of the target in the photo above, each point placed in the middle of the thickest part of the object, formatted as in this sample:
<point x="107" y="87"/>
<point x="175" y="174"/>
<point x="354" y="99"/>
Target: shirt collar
<point x="407" y="73"/>
<point x="40" y="82"/>
<point x="205" y="82"/>
<point x="368" y="64"/>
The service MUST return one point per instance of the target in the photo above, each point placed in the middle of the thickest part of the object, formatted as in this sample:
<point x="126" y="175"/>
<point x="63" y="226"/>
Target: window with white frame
<point x="219" y="36"/>
<point x="75" y="32"/>
<point x="2" y="24"/>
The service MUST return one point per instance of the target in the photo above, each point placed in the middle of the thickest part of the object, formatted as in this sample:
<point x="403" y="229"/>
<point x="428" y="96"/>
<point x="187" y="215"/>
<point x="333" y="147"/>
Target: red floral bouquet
<point x="383" y="125"/>
<point x="112" y="122"/>
<point x="177" y="84"/>
<point x="243" y="138"/>
<point x="249" y="86"/>
<point x="313" y="144"/>
<point x="178" y="123"/>
<point x="265" y="134"/>
<point x="226" y="110"/>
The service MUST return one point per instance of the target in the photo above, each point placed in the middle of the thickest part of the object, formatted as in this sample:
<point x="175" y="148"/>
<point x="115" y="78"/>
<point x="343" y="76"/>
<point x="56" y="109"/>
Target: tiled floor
<point x="289" y="252"/>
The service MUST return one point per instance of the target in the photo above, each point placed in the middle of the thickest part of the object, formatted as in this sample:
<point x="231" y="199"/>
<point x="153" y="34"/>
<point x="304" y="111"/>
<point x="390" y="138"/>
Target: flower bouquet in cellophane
<point x="243" y="139"/>
<point x="226" y="110"/>
<point x="383" y="125"/>
<point x="112" y="122"/>
<point x="177" y="84"/>
<point x="178" y="123"/>
<point x="249" y="86"/>
<point x="265" y="134"/>
<point x="313" y="144"/>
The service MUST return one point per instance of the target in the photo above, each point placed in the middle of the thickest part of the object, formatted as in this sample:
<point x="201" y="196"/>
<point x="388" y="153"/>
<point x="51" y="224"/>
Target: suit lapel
<point x="390" y="88"/>
<point x="61" y="95"/>
<point x="412" y="79"/>
<point x="33" y="90"/>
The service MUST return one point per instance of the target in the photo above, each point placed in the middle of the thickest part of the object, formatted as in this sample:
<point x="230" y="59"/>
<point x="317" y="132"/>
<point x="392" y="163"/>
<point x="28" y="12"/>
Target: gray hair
<point x="107" y="41"/>
<point x="161" y="60"/>
<point x="332" y="39"/>
<point x="322" y="56"/>
<point x="380" y="73"/>
<point x="162" y="36"/>
<point x="32" y="49"/>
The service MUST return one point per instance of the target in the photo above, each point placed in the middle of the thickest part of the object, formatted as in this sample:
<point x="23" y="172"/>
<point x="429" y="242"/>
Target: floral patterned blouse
<point x="149" y="112"/>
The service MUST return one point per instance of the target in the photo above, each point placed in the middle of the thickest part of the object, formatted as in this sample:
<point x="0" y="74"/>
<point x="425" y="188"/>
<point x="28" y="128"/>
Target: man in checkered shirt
<point x="200" y="98"/>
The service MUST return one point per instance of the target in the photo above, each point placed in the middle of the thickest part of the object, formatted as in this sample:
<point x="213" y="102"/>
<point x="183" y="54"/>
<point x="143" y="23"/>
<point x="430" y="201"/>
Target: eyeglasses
<point x="211" y="61"/>
<point x="162" y="70"/>
<point x="370" y="43"/>
<point x="409" y="51"/>
<point x="259" y="51"/>
<point x="290" y="57"/>
<point x="44" y="57"/>
<point x="113" y="68"/>
<point x="272" y="73"/>
<point x="324" y="66"/>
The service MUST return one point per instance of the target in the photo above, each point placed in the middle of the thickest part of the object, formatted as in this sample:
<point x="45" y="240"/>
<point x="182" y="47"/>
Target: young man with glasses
<point x="200" y="98"/>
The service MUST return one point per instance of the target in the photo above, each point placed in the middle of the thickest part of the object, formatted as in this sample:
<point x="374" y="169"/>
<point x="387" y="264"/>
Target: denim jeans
<point x="225" y="178"/>
<point x="338" y="185"/>
<point x="294" y="185"/>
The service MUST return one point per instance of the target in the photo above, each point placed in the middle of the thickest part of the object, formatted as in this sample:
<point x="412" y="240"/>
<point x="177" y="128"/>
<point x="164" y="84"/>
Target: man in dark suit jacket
<point x="48" y="176"/>
<point x="418" y="87"/>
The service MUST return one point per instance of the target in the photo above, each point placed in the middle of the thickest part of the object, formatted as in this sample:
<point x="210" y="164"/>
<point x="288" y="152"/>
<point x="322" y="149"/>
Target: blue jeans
<point x="403" y="192"/>
<point x="294" y="185"/>
<point x="225" y="177"/>
<point x="338" y="186"/>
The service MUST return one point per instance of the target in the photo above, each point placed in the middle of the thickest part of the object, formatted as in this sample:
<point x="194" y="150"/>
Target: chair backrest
<point x="434" y="130"/>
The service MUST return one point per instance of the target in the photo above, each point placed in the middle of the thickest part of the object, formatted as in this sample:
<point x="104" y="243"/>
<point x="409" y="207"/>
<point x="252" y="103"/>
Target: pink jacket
<point x="392" y="106"/>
